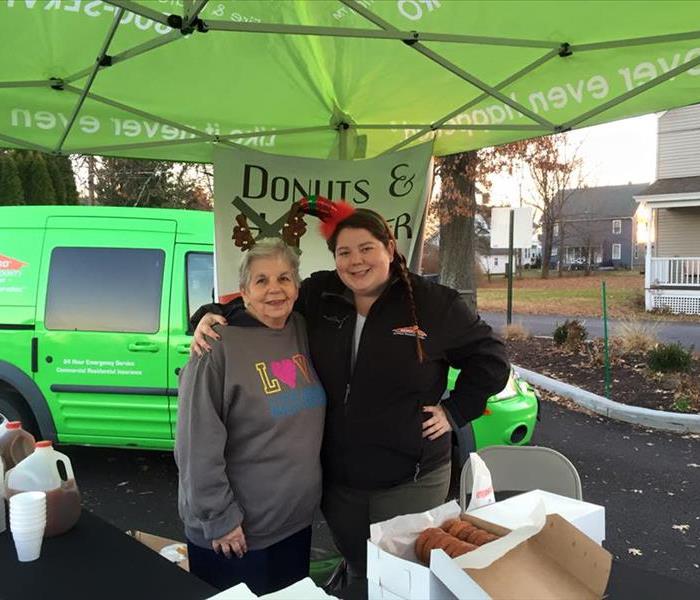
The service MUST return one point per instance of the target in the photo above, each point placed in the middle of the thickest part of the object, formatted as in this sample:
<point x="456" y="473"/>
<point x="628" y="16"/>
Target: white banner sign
<point x="522" y="227"/>
<point x="262" y="187"/>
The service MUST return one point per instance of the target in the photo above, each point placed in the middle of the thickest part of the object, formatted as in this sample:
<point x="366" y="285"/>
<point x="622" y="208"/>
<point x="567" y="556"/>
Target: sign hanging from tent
<point x="263" y="187"/>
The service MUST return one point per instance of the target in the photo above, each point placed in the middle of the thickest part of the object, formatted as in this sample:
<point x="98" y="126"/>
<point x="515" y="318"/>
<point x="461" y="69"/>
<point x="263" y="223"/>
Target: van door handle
<point x="143" y="347"/>
<point x="183" y="349"/>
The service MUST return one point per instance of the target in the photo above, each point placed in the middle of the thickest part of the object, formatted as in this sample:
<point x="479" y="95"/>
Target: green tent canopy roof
<point x="168" y="79"/>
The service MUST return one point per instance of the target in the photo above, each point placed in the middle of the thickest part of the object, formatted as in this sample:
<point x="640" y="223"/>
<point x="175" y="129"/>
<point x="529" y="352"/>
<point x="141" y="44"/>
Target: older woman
<point x="249" y="432"/>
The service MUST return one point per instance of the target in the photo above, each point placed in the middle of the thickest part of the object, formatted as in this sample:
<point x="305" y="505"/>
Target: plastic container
<point x="3" y="514"/>
<point x="15" y="443"/>
<point x="41" y="472"/>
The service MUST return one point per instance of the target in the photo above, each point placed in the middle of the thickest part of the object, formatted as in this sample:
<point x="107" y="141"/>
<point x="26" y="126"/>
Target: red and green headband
<point x="330" y="213"/>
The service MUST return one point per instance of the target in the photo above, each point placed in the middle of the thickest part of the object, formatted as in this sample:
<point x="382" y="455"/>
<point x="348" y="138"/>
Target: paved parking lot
<point x="649" y="482"/>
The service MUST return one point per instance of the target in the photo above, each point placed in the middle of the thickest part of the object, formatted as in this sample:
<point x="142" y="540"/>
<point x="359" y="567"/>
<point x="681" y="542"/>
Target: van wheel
<point x="14" y="408"/>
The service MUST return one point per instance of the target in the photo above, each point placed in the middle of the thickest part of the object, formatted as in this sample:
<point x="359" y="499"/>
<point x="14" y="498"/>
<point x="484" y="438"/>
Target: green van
<point x="94" y="311"/>
<point x="94" y="307"/>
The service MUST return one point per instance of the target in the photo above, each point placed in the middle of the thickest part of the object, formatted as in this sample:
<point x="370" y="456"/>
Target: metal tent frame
<point x="190" y="24"/>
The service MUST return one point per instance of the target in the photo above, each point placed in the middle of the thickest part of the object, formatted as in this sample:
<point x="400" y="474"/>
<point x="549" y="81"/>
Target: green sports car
<point x="509" y="418"/>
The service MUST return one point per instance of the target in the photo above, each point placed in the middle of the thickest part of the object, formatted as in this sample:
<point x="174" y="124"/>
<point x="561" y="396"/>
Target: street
<point x="649" y="482"/>
<point x="687" y="333"/>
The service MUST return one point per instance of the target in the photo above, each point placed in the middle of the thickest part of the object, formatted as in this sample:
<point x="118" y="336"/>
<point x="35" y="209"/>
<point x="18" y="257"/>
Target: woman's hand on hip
<point x="231" y="543"/>
<point x="437" y="424"/>
<point x="199" y="344"/>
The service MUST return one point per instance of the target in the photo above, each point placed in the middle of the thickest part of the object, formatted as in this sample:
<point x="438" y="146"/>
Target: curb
<point x="657" y="419"/>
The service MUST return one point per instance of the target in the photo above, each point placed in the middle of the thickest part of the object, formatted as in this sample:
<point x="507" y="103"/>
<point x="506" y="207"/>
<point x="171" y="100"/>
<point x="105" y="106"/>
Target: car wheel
<point x="14" y="408"/>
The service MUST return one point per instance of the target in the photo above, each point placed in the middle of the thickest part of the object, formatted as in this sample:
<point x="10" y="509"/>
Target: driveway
<point x="648" y="481"/>
<point x="686" y="333"/>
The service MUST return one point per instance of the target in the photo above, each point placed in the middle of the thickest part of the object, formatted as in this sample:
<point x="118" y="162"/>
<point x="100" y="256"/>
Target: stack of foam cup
<point x="27" y="523"/>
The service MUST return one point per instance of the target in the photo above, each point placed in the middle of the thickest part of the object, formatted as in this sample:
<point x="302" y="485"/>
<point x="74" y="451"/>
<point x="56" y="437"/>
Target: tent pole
<point x="131" y="53"/>
<point x="631" y="94"/>
<point x="386" y="34"/>
<point x="24" y="144"/>
<point x="438" y="124"/>
<point x="642" y="41"/>
<point x="91" y="77"/>
<point x="18" y="84"/>
<point x="140" y="113"/>
<point x="140" y="9"/>
<point x="203" y="138"/>
<point x="451" y="67"/>
<point x="143" y="145"/>
<point x="191" y="15"/>
<point x="249" y="134"/>
<point x="450" y="127"/>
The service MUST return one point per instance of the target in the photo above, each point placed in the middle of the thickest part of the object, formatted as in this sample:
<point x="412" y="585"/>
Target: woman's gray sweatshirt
<point x="249" y="431"/>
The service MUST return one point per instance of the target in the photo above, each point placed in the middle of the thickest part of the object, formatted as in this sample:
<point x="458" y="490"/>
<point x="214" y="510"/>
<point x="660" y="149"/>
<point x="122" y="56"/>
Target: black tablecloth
<point x="95" y="561"/>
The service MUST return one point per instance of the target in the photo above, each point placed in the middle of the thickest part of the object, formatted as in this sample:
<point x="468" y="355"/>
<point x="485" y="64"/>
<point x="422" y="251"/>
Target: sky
<point x="613" y="154"/>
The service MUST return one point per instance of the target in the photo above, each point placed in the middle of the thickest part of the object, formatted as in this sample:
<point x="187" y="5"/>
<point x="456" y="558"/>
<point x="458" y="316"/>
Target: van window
<point x="105" y="289"/>
<point x="200" y="280"/>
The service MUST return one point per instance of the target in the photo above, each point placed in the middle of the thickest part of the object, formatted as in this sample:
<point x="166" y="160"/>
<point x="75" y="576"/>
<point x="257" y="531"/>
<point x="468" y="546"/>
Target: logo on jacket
<point x="411" y="331"/>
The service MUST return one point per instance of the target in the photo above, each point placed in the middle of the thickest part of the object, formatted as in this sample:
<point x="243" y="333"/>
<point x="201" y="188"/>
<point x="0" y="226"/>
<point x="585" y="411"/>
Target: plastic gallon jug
<point x="3" y="515"/>
<point x="46" y="470"/>
<point x="15" y="443"/>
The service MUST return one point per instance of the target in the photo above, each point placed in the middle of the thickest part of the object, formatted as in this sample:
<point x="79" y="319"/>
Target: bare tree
<point x="462" y="177"/>
<point x="555" y="171"/>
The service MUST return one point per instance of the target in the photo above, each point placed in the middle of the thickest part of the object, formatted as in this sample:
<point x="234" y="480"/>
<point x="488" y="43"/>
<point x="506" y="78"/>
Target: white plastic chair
<point x="525" y="468"/>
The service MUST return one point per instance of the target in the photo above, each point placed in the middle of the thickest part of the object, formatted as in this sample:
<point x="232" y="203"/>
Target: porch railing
<point x="681" y="271"/>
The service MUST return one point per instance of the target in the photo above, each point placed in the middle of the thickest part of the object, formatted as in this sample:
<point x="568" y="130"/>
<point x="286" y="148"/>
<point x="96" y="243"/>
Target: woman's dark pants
<point x="263" y="571"/>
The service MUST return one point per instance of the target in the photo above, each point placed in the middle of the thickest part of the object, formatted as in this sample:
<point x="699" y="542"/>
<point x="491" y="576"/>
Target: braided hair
<point x="363" y="218"/>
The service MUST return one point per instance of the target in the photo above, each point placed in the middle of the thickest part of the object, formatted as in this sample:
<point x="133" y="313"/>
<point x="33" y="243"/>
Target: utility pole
<point x="511" y="225"/>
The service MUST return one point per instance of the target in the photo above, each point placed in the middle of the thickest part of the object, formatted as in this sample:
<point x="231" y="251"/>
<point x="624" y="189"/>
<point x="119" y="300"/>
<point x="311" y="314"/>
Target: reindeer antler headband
<point x="330" y="213"/>
<point x="292" y="230"/>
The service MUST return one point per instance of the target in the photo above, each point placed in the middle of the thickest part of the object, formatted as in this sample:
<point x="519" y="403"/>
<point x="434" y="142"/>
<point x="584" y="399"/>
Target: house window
<point x="555" y="230"/>
<point x="617" y="226"/>
<point x="616" y="251"/>
<point x="554" y="251"/>
<point x="495" y="261"/>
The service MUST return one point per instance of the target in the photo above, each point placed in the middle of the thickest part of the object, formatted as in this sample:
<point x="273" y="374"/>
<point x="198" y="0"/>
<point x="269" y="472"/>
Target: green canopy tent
<point x="168" y="79"/>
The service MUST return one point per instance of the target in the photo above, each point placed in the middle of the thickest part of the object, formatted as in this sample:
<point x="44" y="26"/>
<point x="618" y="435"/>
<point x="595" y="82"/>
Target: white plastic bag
<point x="482" y="488"/>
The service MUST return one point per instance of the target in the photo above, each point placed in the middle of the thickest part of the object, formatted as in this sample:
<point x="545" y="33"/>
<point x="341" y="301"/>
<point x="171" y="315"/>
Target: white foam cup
<point x="16" y="527"/>
<point x="28" y="545"/>
<point x="28" y="503"/>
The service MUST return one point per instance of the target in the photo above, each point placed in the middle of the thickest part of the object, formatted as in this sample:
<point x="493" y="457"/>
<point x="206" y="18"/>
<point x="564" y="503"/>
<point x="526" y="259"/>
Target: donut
<point x="471" y="538"/>
<point x="423" y="539"/>
<point x="462" y="532"/>
<point x="449" y="523"/>
<point x="431" y="542"/>
<point x="452" y="546"/>
<point x="462" y="548"/>
<point x="481" y="538"/>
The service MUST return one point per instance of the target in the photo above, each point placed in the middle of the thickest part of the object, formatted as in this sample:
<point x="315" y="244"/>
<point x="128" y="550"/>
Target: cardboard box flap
<point x="172" y="550"/>
<point x="578" y="554"/>
<point x="557" y="562"/>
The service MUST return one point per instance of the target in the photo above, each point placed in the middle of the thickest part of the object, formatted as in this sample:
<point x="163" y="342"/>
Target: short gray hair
<point x="268" y="248"/>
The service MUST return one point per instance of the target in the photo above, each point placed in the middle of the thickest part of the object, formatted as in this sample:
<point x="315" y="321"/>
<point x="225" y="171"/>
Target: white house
<point x="672" y="204"/>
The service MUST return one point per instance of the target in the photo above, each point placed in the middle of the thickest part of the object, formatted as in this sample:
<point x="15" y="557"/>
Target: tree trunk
<point x="457" y="268"/>
<point x="546" y="249"/>
<point x="562" y="248"/>
<point x="91" y="180"/>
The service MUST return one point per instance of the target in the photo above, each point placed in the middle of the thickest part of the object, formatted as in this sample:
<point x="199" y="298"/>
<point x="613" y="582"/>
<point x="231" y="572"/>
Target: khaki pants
<point x="349" y="511"/>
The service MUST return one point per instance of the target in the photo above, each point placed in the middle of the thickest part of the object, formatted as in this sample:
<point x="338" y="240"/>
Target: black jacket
<point x="373" y="433"/>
